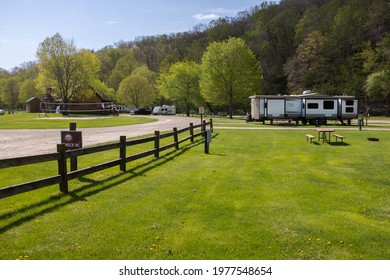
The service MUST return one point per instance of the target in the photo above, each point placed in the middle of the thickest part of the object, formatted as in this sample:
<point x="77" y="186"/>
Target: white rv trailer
<point x="312" y="108"/>
<point x="164" y="110"/>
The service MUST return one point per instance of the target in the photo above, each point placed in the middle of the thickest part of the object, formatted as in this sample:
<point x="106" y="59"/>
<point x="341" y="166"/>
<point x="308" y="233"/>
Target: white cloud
<point x="205" y="17"/>
<point x="225" y="11"/>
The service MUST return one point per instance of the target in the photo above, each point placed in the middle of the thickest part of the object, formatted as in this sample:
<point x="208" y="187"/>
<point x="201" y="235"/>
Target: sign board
<point x="201" y="110"/>
<point x="71" y="139"/>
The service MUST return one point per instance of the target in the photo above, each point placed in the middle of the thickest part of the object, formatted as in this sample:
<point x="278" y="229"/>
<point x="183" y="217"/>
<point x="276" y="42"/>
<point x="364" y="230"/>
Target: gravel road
<point x="26" y="142"/>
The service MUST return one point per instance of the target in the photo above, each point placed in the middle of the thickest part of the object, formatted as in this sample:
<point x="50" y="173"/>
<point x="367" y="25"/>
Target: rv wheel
<point x="321" y="122"/>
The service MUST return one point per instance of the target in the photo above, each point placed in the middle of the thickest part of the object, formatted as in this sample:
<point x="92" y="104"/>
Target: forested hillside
<point x="335" y="47"/>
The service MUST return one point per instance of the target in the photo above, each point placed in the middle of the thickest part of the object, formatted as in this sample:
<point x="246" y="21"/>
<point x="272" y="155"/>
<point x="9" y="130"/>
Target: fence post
<point x="62" y="169"/>
<point x="207" y="138"/>
<point x="122" y="153"/>
<point x="73" y="160"/>
<point x="192" y="132"/>
<point x="211" y="125"/>
<point x="176" y="138"/>
<point x="204" y="126"/>
<point x="157" y="144"/>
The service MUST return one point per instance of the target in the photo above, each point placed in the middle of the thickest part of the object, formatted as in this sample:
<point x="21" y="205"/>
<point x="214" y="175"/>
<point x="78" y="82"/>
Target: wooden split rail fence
<point x="62" y="155"/>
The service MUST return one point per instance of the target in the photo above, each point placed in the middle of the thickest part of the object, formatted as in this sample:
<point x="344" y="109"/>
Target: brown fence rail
<point x="62" y="155"/>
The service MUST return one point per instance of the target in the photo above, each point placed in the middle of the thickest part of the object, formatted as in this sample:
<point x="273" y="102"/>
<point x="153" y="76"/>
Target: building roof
<point x="31" y="99"/>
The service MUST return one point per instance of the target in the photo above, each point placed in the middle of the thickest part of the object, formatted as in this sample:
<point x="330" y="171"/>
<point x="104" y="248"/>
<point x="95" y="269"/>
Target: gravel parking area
<point x="26" y="142"/>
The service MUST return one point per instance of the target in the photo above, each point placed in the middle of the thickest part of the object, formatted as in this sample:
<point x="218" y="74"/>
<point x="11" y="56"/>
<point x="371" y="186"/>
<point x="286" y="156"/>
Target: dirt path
<point x="26" y="142"/>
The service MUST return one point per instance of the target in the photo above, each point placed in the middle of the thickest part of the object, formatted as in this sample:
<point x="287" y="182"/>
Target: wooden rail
<point x="62" y="155"/>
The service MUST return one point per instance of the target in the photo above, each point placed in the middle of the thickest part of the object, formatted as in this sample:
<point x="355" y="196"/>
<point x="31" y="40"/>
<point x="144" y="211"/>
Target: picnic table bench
<point x="338" y="136"/>
<point x="310" y="136"/>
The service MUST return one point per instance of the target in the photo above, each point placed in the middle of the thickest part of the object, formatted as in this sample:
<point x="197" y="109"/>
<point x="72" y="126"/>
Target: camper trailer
<point x="312" y="108"/>
<point x="164" y="110"/>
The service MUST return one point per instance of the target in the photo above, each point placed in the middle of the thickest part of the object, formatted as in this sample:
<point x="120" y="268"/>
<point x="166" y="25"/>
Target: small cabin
<point x="33" y="105"/>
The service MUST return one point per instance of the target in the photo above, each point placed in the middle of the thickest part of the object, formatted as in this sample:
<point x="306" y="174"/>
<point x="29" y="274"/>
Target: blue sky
<point x="96" y="24"/>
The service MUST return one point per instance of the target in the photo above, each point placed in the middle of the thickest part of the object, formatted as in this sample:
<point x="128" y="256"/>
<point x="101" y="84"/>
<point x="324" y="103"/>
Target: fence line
<point x="62" y="155"/>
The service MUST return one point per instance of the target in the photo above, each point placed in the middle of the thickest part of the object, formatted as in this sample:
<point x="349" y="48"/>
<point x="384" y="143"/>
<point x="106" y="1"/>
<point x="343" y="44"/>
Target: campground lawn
<point x="22" y="120"/>
<point x="259" y="194"/>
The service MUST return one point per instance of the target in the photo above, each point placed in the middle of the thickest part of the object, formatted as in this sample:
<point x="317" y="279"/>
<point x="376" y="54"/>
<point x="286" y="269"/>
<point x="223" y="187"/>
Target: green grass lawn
<point x="259" y="194"/>
<point x="22" y="120"/>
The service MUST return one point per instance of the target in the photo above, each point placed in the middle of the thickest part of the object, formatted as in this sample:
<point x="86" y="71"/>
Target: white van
<point x="164" y="110"/>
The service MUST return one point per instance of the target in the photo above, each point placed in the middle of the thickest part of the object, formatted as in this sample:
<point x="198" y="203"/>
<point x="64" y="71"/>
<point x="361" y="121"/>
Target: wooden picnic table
<point x="322" y="133"/>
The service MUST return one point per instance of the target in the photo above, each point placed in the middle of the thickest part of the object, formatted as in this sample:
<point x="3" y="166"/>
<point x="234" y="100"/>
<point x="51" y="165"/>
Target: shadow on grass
<point x="91" y="188"/>
<point x="330" y="143"/>
<point x="338" y="144"/>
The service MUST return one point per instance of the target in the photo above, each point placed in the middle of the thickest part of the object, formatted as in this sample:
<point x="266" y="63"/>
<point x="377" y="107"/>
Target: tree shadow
<point x="91" y="188"/>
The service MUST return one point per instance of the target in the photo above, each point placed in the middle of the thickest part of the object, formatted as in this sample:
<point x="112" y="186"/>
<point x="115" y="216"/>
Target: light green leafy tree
<point x="60" y="66"/>
<point x="181" y="84"/>
<point x="73" y="73"/>
<point x="9" y="92"/>
<point x="230" y="73"/>
<point x="138" y="88"/>
<point x="28" y="89"/>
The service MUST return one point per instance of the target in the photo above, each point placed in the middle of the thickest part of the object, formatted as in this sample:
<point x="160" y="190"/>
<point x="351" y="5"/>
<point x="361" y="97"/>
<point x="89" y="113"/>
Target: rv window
<point x="349" y="102"/>
<point x="312" y="105"/>
<point x="349" y="109"/>
<point x="329" y="105"/>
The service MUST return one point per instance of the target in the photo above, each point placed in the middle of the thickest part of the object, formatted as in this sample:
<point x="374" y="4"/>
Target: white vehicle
<point x="164" y="110"/>
<point x="312" y="108"/>
<point x="1" y="112"/>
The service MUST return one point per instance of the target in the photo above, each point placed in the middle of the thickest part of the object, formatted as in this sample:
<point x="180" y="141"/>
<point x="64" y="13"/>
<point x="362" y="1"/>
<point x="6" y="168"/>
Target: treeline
<point x="335" y="47"/>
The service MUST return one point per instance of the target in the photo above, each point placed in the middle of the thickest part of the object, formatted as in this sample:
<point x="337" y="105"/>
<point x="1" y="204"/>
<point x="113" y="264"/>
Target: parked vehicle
<point x="164" y="110"/>
<point x="123" y="109"/>
<point x="1" y="112"/>
<point x="142" y="111"/>
<point x="312" y="108"/>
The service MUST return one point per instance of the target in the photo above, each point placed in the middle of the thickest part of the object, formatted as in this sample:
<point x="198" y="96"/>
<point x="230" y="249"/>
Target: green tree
<point x="181" y="84"/>
<point x="123" y="68"/>
<point x="28" y="89"/>
<point x="60" y="66"/>
<point x="230" y="73"/>
<point x="137" y="89"/>
<point x="73" y="73"/>
<point x="9" y="92"/>
<point x="377" y="63"/>
<point x="308" y="69"/>
<point x="108" y="57"/>
<point x="271" y="37"/>
<point x="378" y="86"/>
